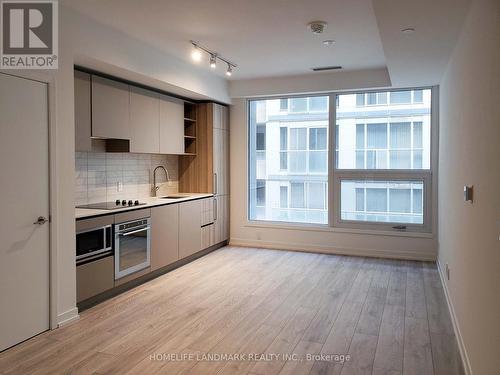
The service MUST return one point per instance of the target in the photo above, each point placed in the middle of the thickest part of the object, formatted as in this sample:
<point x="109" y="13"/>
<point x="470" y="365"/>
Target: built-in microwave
<point x="93" y="243"/>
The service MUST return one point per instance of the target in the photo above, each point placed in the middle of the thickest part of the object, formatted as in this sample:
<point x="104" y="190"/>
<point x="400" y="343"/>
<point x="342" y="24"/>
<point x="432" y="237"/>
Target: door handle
<point x="216" y="184"/>
<point x="41" y="220"/>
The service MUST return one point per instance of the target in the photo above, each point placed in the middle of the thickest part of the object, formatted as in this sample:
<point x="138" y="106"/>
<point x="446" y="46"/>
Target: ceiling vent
<point x="317" y="27"/>
<point x="323" y="68"/>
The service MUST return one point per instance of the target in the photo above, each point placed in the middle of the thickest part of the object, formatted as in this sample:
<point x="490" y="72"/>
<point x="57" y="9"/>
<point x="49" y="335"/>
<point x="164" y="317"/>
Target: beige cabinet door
<point x="171" y="125"/>
<point x="83" y="122"/>
<point x="189" y="228"/>
<point x="110" y="109"/>
<point x="221" y="162"/>
<point x="94" y="278"/>
<point x="217" y="115"/>
<point x="207" y="236"/>
<point x="164" y="235"/>
<point x="144" y="121"/>
<point x="221" y="215"/>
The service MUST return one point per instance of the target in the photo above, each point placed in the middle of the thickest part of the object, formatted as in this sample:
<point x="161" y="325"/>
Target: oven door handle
<point x="124" y="234"/>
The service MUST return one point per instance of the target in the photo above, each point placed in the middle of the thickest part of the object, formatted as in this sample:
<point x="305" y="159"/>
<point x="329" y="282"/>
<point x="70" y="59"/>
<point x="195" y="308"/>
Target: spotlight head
<point x="229" y="70"/>
<point x="213" y="61"/>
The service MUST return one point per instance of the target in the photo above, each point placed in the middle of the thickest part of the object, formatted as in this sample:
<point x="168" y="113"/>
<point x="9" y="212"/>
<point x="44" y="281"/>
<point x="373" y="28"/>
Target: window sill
<point x="326" y="228"/>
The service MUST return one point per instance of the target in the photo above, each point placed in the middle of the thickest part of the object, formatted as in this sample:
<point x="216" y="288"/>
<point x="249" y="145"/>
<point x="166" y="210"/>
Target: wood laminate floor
<point x="389" y="316"/>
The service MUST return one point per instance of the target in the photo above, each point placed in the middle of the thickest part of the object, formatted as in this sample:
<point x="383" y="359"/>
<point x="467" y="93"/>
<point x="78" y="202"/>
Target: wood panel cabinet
<point x="189" y="228"/>
<point x="110" y="109"/>
<point x="164" y="235"/>
<point x="171" y="130"/>
<point x="144" y="121"/>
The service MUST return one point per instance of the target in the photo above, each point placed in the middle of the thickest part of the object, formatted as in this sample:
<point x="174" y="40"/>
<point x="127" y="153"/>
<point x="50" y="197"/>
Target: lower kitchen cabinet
<point x="189" y="227"/>
<point x="164" y="235"/>
<point x="221" y="218"/>
<point x="207" y="236"/>
<point x="94" y="278"/>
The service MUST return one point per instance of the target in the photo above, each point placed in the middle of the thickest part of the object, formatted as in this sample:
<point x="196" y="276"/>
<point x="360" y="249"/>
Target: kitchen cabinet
<point x="110" y="109"/>
<point x="94" y="278"/>
<point x="171" y="125"/>
<point x="221" y="218"/>
<point x="221" y="162"/>
<point x="208" y="171"/>
<point x="207" y="223"/>
<point x="83" y="122"/>
<point x="144" y="121"/>
<point x="189" y="228"/>
<point x="164" y="235"/>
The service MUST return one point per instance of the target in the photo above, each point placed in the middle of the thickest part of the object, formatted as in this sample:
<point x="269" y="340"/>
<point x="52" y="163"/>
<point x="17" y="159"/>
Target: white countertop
<point x="81" y="213"/>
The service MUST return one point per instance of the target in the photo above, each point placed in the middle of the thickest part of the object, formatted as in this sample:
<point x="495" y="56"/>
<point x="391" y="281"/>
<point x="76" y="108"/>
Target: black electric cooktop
<point x="115" y="205"/>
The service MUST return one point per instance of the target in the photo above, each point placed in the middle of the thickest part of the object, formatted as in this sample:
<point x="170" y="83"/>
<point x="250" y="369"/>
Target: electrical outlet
<point x="119" y="186"/>
<point x="447" y="270"/>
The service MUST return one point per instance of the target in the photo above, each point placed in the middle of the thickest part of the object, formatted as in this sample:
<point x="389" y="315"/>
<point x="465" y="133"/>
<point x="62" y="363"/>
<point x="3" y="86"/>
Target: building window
<point x="298" y="105"/>
<point x="283" y="196"/>
<point x="294" y="165"/>
<point x="284" y="105"/>
<point x="261" y="137"/>
<point x="318" y="104"/>
<point x="261" y="193"/>
<point x="383" y="168"/>
<point x="283" y="148"/>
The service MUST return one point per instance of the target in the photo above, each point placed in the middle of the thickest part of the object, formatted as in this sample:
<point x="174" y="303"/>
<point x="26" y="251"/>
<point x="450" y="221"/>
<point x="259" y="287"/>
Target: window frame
<point x="426" y="176"/>
<point x="335" y="175"/>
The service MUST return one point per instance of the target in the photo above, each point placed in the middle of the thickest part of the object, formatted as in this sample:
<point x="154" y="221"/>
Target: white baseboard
<point x="67" y="317"/>
<point x="278" y="245"/>
<point x="456" y="328"/>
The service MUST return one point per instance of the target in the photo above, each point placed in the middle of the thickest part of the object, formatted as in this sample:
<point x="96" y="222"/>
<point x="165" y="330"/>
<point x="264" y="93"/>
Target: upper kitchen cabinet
<point x="110" y="109"/>
<point x="83" y="121"/>
<point x="144" y="121"/>
<point x="171" y="128"/>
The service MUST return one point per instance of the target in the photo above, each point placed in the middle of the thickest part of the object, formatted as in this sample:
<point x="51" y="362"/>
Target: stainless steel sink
<point x="174" y="197"/>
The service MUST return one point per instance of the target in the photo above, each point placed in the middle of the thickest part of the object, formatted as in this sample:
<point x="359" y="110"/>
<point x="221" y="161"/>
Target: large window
<point x="381" y="172"/>
<point x="382" y="175"/>
<point x="288" y="160"/>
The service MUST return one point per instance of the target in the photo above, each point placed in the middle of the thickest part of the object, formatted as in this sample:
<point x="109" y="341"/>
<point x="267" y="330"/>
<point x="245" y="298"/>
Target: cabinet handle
<point x="216" y="184"/>
<point x="215" y="209"/>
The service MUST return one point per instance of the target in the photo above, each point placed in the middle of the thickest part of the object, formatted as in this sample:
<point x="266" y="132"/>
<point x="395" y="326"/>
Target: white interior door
<point x="24" y="188"/>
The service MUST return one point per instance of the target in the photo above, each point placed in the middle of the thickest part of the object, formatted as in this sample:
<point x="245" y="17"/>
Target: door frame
<point x="48" y="78"/>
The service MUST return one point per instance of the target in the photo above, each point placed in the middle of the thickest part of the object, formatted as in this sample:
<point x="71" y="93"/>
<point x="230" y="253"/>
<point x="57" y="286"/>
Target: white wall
<point x="89" y="43"/>
<point x="470" y="155"/>
<point x="310" y="83"/>
<point x="242" y="233"/>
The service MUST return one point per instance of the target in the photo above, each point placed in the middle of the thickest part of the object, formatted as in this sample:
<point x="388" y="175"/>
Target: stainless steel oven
<point x="94" y="243"/>
<point x="132" y="247"/>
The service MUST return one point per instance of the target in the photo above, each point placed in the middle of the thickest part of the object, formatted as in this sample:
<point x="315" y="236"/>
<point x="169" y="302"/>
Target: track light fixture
<point x="197" y="52"/>
<point x="213" y="60"/>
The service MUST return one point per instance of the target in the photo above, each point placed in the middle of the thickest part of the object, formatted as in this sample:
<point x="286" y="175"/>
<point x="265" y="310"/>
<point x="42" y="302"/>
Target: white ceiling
<point x="270" y="38"/>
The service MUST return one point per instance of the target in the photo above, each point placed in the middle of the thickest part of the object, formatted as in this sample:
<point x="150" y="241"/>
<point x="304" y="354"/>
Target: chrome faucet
<point x="155" y="187"/>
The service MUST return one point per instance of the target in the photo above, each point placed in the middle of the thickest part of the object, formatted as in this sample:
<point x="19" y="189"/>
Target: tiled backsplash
<point x="98" y="174"/>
